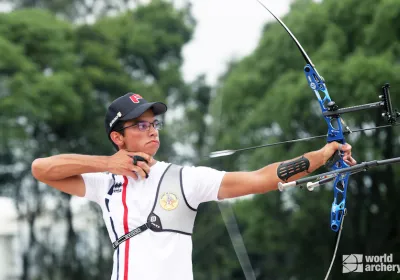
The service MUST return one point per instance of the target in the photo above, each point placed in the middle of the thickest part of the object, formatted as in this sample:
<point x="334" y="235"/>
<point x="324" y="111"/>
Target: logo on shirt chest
<point x="117" y="188"/>
<point x="169" y="201"/>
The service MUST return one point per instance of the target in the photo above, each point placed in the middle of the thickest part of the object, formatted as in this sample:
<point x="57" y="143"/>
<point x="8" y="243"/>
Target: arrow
<point x="225" y="153"/>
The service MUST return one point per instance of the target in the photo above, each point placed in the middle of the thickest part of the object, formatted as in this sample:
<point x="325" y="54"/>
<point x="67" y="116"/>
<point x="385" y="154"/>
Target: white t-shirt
<point x="149" y="255"/>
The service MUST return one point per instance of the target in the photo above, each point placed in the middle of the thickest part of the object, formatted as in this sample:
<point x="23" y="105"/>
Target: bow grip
<point x="333" y="159"/>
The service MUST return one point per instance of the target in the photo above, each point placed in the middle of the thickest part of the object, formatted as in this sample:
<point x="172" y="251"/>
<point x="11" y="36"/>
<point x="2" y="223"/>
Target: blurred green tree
<point x="84" y="11"/>
<point x="54" y="93"/>
<point x="264" y="98"/>
<point x="56" y="81"/>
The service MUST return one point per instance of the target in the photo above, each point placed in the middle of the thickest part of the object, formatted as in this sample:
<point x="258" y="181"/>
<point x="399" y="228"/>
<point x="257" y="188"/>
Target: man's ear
<point x="117" y="138"/>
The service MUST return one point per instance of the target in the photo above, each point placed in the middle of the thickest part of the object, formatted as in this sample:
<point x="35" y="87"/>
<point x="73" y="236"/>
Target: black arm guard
<point x="288" y="169"/>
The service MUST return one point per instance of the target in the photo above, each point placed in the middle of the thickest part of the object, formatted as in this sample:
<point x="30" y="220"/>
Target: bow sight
<point x="389" y="114"/>
<point x="334" y="112"/>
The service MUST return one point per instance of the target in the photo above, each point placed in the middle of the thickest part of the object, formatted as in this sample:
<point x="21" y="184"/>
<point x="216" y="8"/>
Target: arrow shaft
<point x="219" y="153"/>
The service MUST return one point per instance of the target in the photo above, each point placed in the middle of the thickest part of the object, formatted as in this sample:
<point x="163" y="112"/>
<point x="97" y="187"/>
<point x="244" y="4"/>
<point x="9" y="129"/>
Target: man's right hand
<point x="121" y="163"/>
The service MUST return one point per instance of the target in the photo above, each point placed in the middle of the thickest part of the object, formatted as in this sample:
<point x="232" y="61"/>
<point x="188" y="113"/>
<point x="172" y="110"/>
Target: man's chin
<point x="153" y="153"/>
<point x="150" y="152"/>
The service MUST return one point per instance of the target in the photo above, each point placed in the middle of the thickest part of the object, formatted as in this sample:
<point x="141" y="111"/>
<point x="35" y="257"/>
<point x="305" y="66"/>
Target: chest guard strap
<point x="171" y="211"/>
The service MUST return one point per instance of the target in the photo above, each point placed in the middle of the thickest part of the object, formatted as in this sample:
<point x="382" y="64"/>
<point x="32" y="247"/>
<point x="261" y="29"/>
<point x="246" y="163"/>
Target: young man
<point x="149" y="206"/>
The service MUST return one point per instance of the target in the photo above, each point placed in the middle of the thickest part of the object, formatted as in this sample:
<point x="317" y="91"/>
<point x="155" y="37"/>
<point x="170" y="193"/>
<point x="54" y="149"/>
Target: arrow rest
<point x="332" y="106"/>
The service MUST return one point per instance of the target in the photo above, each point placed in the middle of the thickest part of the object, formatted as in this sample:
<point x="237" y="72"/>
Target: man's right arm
<point x="63" y="172"/>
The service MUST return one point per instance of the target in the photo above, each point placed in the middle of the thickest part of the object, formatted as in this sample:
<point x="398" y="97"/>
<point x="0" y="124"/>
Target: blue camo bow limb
<point x="335" y="131"/>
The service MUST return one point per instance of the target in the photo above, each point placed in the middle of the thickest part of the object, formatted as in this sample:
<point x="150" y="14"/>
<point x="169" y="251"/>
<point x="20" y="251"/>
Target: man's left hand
<point x="329" y="149"/>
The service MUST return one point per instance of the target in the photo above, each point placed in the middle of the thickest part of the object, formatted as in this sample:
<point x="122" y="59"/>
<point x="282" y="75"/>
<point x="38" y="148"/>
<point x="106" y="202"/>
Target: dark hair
<point x="118" y="128"/>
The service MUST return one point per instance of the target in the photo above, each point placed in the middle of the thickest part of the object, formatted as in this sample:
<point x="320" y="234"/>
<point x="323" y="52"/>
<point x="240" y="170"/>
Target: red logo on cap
<point x="135" y="98"/>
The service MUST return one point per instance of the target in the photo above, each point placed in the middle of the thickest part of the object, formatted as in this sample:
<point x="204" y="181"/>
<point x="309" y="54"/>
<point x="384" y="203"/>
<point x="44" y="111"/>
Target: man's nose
<point x="153" y="131"/>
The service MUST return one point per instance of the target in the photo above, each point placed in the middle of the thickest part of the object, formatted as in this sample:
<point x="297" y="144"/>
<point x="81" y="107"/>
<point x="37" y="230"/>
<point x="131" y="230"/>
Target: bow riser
<point x="317" y="84"/>
<point x="335" y="133"/>
<point x="339" y="202"/>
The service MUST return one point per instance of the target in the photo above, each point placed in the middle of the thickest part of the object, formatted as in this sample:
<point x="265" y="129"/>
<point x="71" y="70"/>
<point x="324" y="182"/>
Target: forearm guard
<point x="290" y="168"/>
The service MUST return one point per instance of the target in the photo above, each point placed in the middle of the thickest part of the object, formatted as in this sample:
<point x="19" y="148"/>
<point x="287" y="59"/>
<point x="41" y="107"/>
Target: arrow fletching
<point x="223" y="153"/>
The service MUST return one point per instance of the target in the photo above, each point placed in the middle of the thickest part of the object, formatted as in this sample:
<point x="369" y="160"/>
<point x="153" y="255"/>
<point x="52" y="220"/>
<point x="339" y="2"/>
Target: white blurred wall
<point x="9" y="263"/>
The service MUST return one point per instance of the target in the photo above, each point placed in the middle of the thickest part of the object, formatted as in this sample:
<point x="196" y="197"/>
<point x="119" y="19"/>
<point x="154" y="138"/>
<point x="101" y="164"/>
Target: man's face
<point x="146" y="141"/>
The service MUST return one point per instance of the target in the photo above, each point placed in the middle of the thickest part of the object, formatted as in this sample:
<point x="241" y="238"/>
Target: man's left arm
<point x="235" y="184"/>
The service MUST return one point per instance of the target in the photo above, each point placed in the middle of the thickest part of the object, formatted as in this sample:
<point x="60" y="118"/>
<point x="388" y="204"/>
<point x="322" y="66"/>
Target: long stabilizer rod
<point x="352" y="169"/>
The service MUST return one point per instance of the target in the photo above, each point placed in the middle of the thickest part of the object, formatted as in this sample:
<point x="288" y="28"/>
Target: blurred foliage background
<point x="63" y="62"/>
